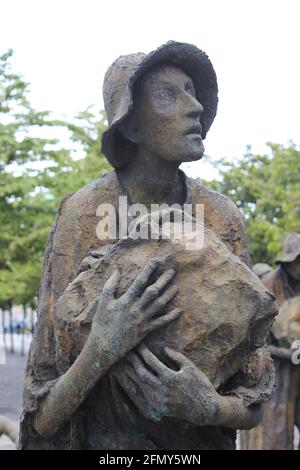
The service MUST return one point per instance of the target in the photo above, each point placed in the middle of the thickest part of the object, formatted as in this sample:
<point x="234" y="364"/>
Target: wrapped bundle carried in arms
<point x="227" y="311"/>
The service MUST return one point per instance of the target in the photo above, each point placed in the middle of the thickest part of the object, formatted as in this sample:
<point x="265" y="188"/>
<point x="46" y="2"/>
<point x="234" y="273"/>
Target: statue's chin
<point x="191" y="154"/>
<point x="195" y="153"/>
<point x="193" y="157"/>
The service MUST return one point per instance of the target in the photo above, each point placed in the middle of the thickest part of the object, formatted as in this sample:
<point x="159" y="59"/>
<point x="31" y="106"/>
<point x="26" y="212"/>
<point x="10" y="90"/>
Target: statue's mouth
<point x="195" y="129"/>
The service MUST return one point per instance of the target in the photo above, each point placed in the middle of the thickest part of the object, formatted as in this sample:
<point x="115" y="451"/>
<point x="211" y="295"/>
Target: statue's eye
<point x="189" y="87"/>
<point x="170" y="92"/>
<point x="167" y="93"/>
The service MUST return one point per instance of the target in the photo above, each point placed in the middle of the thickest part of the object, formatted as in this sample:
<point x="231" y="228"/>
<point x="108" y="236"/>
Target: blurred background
<point x="53" y="57"/>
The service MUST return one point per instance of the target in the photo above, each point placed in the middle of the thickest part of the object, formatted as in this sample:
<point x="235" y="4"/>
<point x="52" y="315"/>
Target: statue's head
<point x="290" y="260"/>
<point x="165" y="118"/>
<point x="293" y="268"/>
<point x="163" y="103"/>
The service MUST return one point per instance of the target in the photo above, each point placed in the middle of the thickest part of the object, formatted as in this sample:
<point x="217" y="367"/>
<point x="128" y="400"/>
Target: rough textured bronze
<point x="122" y="75"/>
<point x="286" y="328"/>
<point x="77" y="389"/>
<point x="219" y="327"/>
<point x="47" y="361"/>
<point x="282" y="412"/>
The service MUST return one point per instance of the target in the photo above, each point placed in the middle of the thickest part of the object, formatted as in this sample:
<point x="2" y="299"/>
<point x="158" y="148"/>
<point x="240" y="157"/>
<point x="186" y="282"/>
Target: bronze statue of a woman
<point x="160" y="107"/>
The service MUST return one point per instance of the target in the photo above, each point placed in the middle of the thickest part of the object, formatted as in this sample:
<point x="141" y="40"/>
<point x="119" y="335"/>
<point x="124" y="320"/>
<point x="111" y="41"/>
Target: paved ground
<point x="6" y="444"/>
<point x="11" y="389"/>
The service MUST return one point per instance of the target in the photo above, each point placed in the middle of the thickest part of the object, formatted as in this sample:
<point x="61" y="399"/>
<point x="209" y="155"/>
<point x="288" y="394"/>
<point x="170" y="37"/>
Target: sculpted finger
<point x="136" y="393"/>
<point x="141" y="386"/>
<point x="153" y="291"/>
<point x="129" y="370"/>
<point x="127" y="379"/>
<point x="161" y="302"/>
<point x="127" y="383"/>
<point x="143" y="374"/>
<point x="178" y="357"/>
<point x="111" y="284"/>
<point x="139" y="284"/>
<point x="164" y="319"/>
<point x="152" y="361"/>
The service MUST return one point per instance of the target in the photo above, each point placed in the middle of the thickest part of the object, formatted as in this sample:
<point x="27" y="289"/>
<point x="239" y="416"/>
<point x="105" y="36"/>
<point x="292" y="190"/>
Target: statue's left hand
<point x="158" y="390"/>
<point x="186" y="393"/>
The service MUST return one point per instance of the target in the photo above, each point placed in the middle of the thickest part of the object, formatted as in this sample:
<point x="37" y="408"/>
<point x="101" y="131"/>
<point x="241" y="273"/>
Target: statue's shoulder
<point x="74" y="233"/>
<point x="83" y="203"/>
<point x="222" y="216"/>
<point x="216" y="205"/>
<point x="275" y="282"/>
<point x="103" y="189"/>
<point x="272" y="276"/>
<point x="77" y="211"/>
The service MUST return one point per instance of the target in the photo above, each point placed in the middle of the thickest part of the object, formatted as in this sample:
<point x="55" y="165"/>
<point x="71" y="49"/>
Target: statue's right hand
<point x="121" y="323"/>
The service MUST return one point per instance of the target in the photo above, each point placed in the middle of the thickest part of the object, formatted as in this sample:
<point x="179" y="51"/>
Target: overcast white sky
<point x="63" y="48"/>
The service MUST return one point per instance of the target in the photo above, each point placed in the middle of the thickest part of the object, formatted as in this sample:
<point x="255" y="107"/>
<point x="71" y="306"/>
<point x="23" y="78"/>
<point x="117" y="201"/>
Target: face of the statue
<point x="166" y="116"/>
<point x="293" y="269"/>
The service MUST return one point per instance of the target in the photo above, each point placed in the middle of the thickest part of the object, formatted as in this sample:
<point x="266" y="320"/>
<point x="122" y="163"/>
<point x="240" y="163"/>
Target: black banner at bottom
<point x="136" y="459"/>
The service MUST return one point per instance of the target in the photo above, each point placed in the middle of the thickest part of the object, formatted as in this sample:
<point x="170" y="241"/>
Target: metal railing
<point x="16" y="329"/>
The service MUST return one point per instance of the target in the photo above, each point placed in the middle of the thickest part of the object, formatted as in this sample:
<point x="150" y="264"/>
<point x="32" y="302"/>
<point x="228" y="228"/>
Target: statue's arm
<point x="280" y="353"/>
<point x="118" y="326"/>
<point x="187" y="393"/>
<point x="70" y="389"/>
<point x="238" y="233"/>
<point x="233" y="413"/>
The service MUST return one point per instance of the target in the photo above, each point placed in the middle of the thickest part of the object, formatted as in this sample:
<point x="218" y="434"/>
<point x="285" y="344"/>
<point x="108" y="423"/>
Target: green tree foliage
<point x="36" y="172"/>
<point x="82" y="162"/>
<point x="266" y="188"/>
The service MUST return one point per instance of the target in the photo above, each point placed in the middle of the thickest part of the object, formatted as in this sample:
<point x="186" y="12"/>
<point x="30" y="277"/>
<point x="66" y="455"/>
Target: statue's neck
<point x="294" y="284"/>
<point x="151" y="180"/>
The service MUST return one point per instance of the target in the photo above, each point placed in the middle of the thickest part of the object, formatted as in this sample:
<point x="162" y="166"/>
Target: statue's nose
<point x="196" y="109"/>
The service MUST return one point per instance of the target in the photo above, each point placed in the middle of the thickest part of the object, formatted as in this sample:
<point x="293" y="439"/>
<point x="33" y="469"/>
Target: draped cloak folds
<point x="100" y="421"/>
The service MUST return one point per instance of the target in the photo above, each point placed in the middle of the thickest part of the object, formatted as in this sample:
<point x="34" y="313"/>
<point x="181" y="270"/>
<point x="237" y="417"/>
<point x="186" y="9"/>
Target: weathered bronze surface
<point x="282" y="412"/>
<point x="98" y="373"/>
